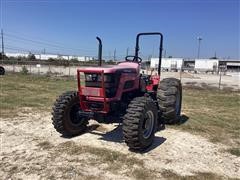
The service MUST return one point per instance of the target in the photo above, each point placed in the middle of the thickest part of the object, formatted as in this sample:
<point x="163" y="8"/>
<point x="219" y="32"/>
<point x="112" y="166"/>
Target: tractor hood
<point x="124" y="67"/>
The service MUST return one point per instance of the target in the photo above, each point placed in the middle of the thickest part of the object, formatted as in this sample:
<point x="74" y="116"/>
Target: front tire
<point x="2" y="70"/>
<point x="139" y="123"/>
<point x="66" y="119"/>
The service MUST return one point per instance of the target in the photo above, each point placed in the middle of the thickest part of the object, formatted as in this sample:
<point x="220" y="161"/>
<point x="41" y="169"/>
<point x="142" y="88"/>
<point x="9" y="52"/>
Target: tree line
<point x="31" y="59"/>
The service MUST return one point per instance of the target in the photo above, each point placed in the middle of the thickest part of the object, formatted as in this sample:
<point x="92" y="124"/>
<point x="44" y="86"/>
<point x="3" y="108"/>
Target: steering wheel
<point x="133" y="58"/>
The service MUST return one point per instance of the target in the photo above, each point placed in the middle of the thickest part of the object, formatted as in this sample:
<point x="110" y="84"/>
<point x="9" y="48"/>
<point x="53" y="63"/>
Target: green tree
<point x="3" y="56"/>
<point x="31" y="57"/>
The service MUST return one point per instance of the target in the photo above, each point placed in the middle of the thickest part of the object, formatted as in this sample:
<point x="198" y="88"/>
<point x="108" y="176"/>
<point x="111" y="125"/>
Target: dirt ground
<point x="230" y="80"/>
<point x="32" y="149"/>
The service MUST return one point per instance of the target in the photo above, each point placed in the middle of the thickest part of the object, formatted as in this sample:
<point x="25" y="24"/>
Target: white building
<point x="206" y="64"/>
<point x="16" y="54"/>
<point x="84" y="58"/>
<point x="53" y="56"/>
<point x="167" y="63"/>
<point x="47" y="56"/>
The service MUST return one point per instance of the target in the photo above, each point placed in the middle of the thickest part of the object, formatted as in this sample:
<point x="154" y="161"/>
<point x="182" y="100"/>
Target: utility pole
<point x="69" y="71"/>
<point x="220" y="78"/>
<point x="153" y="51"/>
<point x="109" y="55"/>
<point x="149" y="57"/>
<point x="127" y="51"/>
<point x="164" y="53"/>
<point x="2" y="44"/>
<point x="199" y="42"/>
<point x="114" y="55"/>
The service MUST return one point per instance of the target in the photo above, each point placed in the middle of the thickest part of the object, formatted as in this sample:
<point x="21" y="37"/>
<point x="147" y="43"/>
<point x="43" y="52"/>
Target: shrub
<point x="24" y="70"/>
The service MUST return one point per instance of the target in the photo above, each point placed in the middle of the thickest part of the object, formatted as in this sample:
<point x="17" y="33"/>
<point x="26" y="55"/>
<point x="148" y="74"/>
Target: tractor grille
<point x="95" y="105"/>
<point x="110" y="82"/>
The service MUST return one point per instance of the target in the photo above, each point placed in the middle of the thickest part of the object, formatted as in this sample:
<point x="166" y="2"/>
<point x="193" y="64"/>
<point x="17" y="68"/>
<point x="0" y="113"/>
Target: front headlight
<point x="88" y="77"/>
<point x="91" y="77"/>
<point x="98" y="77"/>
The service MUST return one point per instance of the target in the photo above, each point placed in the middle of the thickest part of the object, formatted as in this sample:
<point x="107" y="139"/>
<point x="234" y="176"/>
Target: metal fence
<point x="220" y="80"/>
<point x="44" y="67"/>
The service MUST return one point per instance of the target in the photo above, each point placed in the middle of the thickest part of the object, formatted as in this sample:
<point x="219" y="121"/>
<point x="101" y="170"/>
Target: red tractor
<point x="141" y="102"/>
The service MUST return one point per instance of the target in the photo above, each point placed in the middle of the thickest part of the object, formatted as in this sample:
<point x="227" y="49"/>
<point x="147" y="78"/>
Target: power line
<point x="18" y="49"/>
<point x="26" y="50"/>
<point x="114" y="54"/>
<point x="43" y="42"/>
<point x="12" y="37"/>
<point x="56" y="45"/>
<point x="48" y="45"/>
<point x="21" y="49"/>
<point x="14" y="48"/>
<point x="127" y="52"/>
<point x="45" y="51"/>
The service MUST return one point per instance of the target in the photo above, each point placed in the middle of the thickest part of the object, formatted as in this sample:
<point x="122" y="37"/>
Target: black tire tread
<point x="58" y="113"/>
<point x="2" y="70"/>
<point x="166" y="96"/>
<point x="131" y="121"/>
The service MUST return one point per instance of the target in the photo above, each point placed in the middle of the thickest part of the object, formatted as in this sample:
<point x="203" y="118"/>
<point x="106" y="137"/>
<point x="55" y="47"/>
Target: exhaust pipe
<point x="99" y="51"/>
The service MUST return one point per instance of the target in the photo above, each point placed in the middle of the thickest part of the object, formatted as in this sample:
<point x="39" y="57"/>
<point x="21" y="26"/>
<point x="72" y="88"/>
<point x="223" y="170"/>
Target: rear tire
<point x="2" y="70"/>
<point x="65" y="115"/>
<point x="139" y="123"/>
<point x="169" y="96"/>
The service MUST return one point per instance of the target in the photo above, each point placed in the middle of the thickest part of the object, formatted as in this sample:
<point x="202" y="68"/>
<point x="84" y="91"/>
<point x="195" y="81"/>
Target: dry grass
<point x="104" y="154"/>
<point x="68" y="160"/>
<point x="39" y="92"/>
<point x="212" y="113"/>
<point x="198" y="176"/>
<point x="234" y="151"/>
<point x="143" y="174"/>
<point x="116" y="161"/>
<point x="45" y="145"/>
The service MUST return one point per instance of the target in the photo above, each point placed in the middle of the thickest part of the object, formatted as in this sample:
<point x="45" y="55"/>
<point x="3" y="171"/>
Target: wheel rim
<point x="148" y="124"/>
<point x="75" y="119"/>
<point x="177" y="106"/>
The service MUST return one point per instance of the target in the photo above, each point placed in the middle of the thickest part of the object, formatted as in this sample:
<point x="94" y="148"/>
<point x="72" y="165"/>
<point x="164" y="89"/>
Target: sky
<point x="70" y="26"/>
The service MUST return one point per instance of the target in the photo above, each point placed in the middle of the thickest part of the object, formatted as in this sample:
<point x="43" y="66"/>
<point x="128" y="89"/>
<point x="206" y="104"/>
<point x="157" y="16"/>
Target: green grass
<point x="38" y="92"/>
<point x="234" y="151"/>
<point x="212" y="113"/>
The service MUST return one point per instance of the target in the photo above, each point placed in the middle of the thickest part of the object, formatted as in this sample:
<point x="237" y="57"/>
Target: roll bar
<point x="160" y="47"/>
